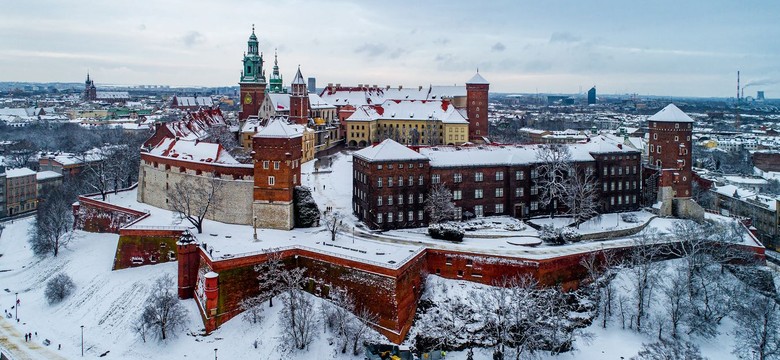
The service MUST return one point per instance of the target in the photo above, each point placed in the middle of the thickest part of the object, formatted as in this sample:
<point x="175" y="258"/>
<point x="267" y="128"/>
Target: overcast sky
<point x="685" y="48"/>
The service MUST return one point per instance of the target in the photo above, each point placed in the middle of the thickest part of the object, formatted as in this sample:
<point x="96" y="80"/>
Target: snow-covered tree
<point x="163" y="314"/>
<point x="643" y="272"/>
<point x="675" y="298"/>
<point x="252" y="308"/>
<point x="554" y="164"/>
<point x="297" y="316"/>
<point x="438" y="204"/>
<point x="53" y="225"/>
<point x="270" y="275"/>
<point x="193" y="199"/>
<point x="581" y="197"/>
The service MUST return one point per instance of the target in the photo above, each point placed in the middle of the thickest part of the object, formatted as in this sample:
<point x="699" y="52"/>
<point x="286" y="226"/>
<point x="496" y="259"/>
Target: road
<point x="12" y="341"/>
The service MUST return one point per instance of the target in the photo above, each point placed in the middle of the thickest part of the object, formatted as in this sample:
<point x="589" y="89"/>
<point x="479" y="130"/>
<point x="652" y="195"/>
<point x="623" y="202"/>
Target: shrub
<point x="550" y="235"/>
<point x="58" y="288"/>
<point x="629" y="218"/>
<point x="568" y="234"/>
<point x="446" y="231"/>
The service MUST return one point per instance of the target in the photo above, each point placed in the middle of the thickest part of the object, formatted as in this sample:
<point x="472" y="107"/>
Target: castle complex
<point x="411" y="140"/>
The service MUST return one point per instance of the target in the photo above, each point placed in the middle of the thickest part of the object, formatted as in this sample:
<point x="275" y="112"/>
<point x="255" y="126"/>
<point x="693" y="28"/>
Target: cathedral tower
<point x="252" y="82"/>
<point x="275" y="83"/>
<point x="299" y="100"/>
<point x="476" y="108"/>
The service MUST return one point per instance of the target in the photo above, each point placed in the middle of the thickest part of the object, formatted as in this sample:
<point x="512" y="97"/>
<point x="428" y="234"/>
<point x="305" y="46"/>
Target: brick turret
<point x="476" y="108"/>
<point x="299" y="100"/>
<point x="189" y="262"/>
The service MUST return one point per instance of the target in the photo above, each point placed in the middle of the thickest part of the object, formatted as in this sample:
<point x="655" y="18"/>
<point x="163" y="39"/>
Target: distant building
<point x="21" y="191"/>
<point x="3" y="210"/>
<point x="313" y="85"/>
<point x="91" y="93"/>
<point x="47" y="180"/>
<point x="592" y="96"/>
<point x="191" y="103"/>
<point x="760" y="95"/>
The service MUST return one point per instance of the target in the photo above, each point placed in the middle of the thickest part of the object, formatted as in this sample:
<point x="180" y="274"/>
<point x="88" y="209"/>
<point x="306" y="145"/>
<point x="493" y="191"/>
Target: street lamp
<point x="254" y="226"/>
<point x="215" y="353"/>
<point x="16" y="307"/>
<point x="82" y="340"/>
<point x="353" y="234"/>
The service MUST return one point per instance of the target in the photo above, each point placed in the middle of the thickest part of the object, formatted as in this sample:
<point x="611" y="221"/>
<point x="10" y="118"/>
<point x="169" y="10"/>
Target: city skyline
<point x="660" y="48"/>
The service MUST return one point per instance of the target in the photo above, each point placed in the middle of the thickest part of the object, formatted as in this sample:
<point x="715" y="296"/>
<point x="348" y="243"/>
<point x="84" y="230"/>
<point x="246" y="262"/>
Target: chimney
<point x="387" y="87"/>
<point x="419" y="88"/>
<point x="400" y="87"/>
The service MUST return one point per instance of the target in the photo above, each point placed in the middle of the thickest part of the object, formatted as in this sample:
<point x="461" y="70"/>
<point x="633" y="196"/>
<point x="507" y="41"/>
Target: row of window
<point x="399" y="216"/>
<point x="619" y="169"/>
<point x="277" y="164"/>
<point x="676" y="138"/>
<point x="410" y="182"/>
<point x="410" y="199"/>
<point x="613" y="185"/>
<point x="400" y="166"/>
<point x="620" y="199"/>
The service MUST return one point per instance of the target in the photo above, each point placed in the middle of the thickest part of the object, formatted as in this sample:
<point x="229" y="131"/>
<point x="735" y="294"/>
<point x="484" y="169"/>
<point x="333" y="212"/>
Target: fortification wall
<point x="234" y="203"/>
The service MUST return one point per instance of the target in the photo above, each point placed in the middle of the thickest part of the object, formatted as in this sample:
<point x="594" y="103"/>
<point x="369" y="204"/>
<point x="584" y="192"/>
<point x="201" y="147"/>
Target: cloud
<point x="564" y="37"/>
<point x="498" y="47"/>
<point x="441" y="41"/>
<point x="443" y="57"/>
<point x="395" y="54"/>
<point x="193" y="38"/>
<point x="371" y="50"/>
<point x="142" y="27"/>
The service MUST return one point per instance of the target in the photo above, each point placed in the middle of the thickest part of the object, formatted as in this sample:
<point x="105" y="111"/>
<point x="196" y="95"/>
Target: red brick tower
<point x="299" y="100"/>
<point x="669" y="153"/>
<point x="476" y="108"/>
<point x="189" y="262"/>
<point x="277" y="149"/>
<point x="252" y="82"/>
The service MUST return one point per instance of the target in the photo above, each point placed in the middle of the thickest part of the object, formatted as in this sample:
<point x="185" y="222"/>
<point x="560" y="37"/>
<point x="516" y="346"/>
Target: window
<point x="411" y="180"/>
<point x="518" y="175"/>
<point x="458" y="213"/>
<point x="534" y="174"/>
<point x="271" y="181"/>
<point x="499" y="176"/>
<point x="379" y="167"/>
<point x="534" y="205"/>
<point x="265" y="164"/>
<point x="411" y="198"/>
<point x="620" y="170"/>
<point x="276" y="165"/>
<point x="534" y="190"/>
<point x="458" y="177"/>
<point x="435" y="179"/>
<point x="400" y="166"/>
<point x="478" y="212"/>
<point x="457" y="195"/>
<point x="390" y="200"/>
<point x="420" y="198"/>
<point x="400" y="181"/>
<point x="655" y="136"/>
<point x="379" y="182"/>
<point x="389" y="217"/>
<point x="620" y="185"/>
<point x="420" y="180"/>
<point x="518" y="192"/>
<point x="478" y="194"/>
<point x="410" y="216"/>
<point x="612" y="170"/>
<point x="605" y="171"/>
<point x="379" y="218"/>
<point x="499" y="208"/>
<point x="478" y="176"/>
<point x="400" y="216"/>
<point x="379" y="201"/>
<point x="634" y="170"/>
<point x="620" y="200"/>
<point x="604" y="186"/>
<point x="390" y="166"/>
<point x="612" y="200"/>
<point x="389" y="181"/>
<point x="420" y="215"/>
<point x="400" y="199"/>
<point x="658" y="149"/>
<point x="633" y="184"/>
<point x="676" y="138"/>
<point x="499" y="192"/>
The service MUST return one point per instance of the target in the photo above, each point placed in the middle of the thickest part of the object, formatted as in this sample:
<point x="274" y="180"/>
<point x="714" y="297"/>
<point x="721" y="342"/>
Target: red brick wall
<point x="101" y="217"/>
<point x="236" y="172"/>
<point x="257" y="92"/>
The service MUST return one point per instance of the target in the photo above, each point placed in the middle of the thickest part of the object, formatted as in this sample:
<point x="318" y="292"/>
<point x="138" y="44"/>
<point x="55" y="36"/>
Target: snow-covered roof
<point x="671" y="113"/>
<point x="113" y="95"/>
<point x="280" y="101"/>
<point x="745" y="180"/>
<point x="316" y="102"/>
<point x="194" y="101"/>
<point x="193" y="150"/>
<point x="45" y="175"/>
<point x="477" y="79"/>
<point x="18" y="172"/>
<point x="279" y="128"/>
<point x="367" y="95"/>
<point x="388" y="150"/>
<point x="510" y="155"/>
<point x="433" y="110"/>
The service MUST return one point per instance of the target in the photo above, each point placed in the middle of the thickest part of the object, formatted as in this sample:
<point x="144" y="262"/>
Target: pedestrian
<point x="59" y="346"/>
<point x="18" y="302"/>
<point x="36" y="334"/>
<point x="25" y="337"/>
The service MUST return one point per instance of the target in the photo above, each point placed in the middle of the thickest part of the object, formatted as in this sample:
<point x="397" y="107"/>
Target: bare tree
<point x="580" y="196"/>
<point x="253" y="309"/>
<point x="643" y="272"/>
<point x="669" y="350"/>
<point x="192" y="200"/>
<point x="163" y="314"/>
<point x="438" y="204"/>
<point x="339" y="311"/>
<point x="53" y="225"/>
<point x="98" y="174"/>
<point x="364" y="318"/>
<point x="675" y="291"/>
<point x="554" y="163"/>
<point x="758" y="326"/>
<point x="58" y="288"/>
<point x="333" y="221"/>
<point x="20" y="153"/>
<point x="297" y="317"/>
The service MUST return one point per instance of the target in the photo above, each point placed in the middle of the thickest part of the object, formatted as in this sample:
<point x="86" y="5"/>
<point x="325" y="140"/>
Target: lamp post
<point x="82" y="340"/>
<point x="353" y="234"/>
<point x="16" y="307"/>
<point x="254" y="226"/>
<point x="215" y="353"/>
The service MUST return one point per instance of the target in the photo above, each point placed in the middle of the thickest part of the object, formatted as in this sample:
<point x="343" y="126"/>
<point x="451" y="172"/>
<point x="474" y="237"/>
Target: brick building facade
<point x="391" y="181"/>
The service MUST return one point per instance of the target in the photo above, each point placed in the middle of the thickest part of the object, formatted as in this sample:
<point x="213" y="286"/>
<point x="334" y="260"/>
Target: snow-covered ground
<point x="602" y="223"/>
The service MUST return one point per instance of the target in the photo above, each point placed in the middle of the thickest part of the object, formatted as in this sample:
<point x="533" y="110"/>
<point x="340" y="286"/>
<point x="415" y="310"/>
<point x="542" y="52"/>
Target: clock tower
<point x="252" y="82"/>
